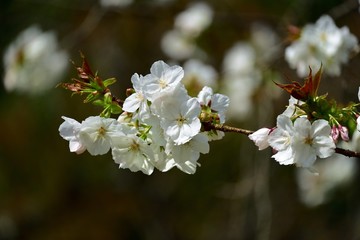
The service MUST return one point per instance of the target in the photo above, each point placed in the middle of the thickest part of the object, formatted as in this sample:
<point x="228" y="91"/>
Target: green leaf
<point x="99" y="102"/>
<point x="115" y="109"/>
<point x="109" y="81"/>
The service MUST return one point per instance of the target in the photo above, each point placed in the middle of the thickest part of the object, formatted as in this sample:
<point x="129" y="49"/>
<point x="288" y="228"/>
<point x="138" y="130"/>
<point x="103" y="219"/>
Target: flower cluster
<point x="321" y="43"/>
<point x="33" y="62"/>
<point x="160" y="126"/>
<point x="310" y="126"/>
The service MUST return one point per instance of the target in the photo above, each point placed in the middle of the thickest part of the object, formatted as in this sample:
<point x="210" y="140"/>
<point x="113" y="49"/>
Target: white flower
<point x="312" y="140"/>
<point x="96" y="134"/>
<point x="291" y="108"/>
<point x="134" y="153"/>
<point x="239" y="59"/>
<point x="180" y="121"/>
<point x="186" y="155"/>
<point x="215" y="135"/>
<point x="194" y="19"/>
<point x="137" y="101"/>
<point x="265" y="42"/>
<point x="199" y="74"/>
<point x="69" y="130"/>
<point x="217" y="102"/>
<point x="162" y="79"/>
<point x="241" y="105"/>
<point x="281" y="140"/>
<point x="156" y="133"/>
<point x="163" y="161"/>
<point x="261" y="138"/>
<point x="33" y="63"/>
<point x="302" y="142"/>
<point x="321" y="43"/>
<point x="115" y="3"/>
<point x="335" y="172"/>
<point x="241" y="73"/>
<point x="177" y="46"/>
<point x="174" y="96"/>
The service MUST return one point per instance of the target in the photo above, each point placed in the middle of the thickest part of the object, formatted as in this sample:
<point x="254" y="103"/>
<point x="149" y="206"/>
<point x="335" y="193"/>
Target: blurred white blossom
<point x="115" y="3"/>
<point x="195" y="19"/>
<point x="245" y="70"/>
<point x="315" y="189"/>
<point x="321" y="43"/>
<point x="177" y="46"/>
<point x="240" y="59"/>
<point x="241" y="78"/>
<point x="179" y="43"/>
<point x="265" y="42"/>
<point x="199" y="74"/>
<point x="33" y="63"/>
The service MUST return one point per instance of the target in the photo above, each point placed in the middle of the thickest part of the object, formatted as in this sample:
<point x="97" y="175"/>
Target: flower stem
<point x="224" y="128"/>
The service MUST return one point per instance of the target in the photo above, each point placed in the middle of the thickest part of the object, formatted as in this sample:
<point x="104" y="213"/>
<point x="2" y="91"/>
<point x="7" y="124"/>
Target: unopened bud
<point x="129" y="91"/>
<point x="335" y="133"/>
<point x="344" y="133"/>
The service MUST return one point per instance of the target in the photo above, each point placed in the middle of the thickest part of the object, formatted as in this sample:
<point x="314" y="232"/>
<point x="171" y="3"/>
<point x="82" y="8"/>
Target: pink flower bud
<point x="334" y="133"/>
<point x="344" y="133"/>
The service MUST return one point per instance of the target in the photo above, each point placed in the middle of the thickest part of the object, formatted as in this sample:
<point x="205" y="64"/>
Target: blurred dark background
<point x="46" y="192"/>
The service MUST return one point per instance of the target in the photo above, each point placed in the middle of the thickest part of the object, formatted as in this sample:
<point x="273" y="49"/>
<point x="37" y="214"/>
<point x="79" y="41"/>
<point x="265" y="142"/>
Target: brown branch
<point x="224" y="128"/>
<point x="347" y="153"/>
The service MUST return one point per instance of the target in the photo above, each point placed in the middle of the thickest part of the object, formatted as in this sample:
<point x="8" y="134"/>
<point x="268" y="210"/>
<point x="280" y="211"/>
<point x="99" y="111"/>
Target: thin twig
<point x="347" y="153"/>
<point x="225" y="128"/>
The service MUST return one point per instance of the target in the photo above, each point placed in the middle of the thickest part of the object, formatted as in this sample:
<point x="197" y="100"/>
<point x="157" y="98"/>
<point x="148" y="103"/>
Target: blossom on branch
<point x="69" y="130"/>
<point x="261" y="138"/>
<point x="160" y="125"/>
<point x="96" y="134"/>
<point x="298" y="143"/>
<point x="134" y="153"/>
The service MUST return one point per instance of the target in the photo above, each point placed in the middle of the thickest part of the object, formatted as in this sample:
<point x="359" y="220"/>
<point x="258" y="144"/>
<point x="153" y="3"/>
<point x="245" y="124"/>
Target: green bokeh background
<point x="46" y="192"/>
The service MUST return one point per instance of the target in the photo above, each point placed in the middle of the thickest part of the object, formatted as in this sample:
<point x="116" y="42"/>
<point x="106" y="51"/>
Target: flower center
<point x="163" y="84"/>
<point x="134" y="146"/>
<point x="101" y="132"/>
<point x="180" y="120"/>
<point x="308" y="140"/>
<point x="323" y="37"/>
<point x="140" y="97"/>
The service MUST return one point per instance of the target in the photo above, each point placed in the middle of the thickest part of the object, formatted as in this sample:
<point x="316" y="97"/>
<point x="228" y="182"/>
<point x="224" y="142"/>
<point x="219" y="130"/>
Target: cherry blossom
<point x="185" y="156"/>
<point x="218" y="103"/>
<point x="302" y="142"/>
<point x="40" y="66"/>
<point x="261" y="138"/>
<point x="96" y="134"/>
<point x="180" y="120"/>
<point x="162" y="79"/>
<point x="321" y="43"/>
<point x="69" y="130"/>
<point x="137" y="100"/>
<point x="132" y="152"/>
